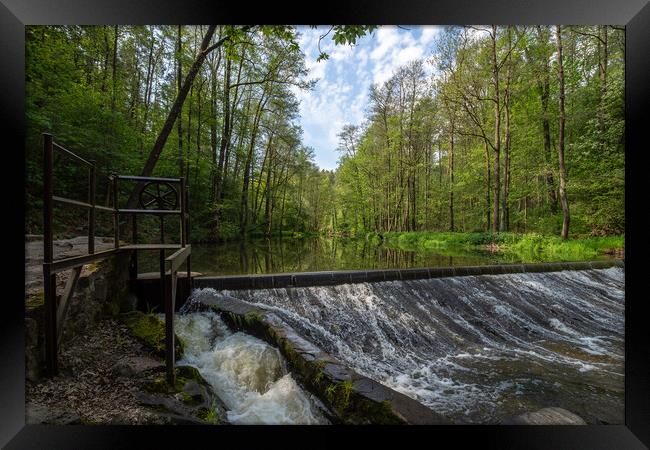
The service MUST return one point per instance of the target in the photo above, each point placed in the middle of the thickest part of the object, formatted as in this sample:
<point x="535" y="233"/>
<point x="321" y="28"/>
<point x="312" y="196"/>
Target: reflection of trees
<point x="314" y="254"/>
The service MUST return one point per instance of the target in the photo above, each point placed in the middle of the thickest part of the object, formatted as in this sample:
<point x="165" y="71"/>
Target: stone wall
<point x="102" y="290"/>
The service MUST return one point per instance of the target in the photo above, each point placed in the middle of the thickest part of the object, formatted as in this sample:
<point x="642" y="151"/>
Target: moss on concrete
<point x="338" y="395"/>
<point x="151" y="331"/>
<point x="36" y="300"/>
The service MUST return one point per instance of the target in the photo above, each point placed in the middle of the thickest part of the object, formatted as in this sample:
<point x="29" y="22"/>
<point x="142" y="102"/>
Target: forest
<point x="499" y="129"/>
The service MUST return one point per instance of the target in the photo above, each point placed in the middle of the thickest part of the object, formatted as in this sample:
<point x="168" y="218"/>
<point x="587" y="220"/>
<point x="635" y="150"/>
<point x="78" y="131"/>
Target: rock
<point x="190" y="401"/>
<point x="546" y="416"/>
<point x="38" y="414"/>
<point x="129" y="303"/>
<point x="135" y="365"/>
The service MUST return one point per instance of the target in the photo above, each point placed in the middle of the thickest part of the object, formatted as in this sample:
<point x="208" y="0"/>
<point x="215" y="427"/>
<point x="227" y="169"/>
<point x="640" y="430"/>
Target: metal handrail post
<point x="49" y="279"/>
<point x="91" y="211"/>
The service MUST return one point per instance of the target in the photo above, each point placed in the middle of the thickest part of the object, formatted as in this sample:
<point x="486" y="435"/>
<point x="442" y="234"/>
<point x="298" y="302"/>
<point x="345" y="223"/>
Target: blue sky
<point x="341" y="94"/>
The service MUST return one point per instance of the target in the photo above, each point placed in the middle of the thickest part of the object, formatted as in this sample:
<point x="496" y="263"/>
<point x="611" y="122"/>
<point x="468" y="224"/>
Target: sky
<point x="341" y="94"/>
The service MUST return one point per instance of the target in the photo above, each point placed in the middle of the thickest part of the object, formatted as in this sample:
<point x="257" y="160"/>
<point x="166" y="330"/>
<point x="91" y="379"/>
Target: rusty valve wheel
<point x="158" y="195"/>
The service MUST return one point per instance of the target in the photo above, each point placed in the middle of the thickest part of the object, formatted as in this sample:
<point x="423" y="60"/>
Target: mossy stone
<point x="151" y="330"/>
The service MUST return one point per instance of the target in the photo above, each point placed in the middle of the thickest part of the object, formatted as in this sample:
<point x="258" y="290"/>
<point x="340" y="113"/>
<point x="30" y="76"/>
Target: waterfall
<point x="247" y="374"/>
<point x="477" y="348"/>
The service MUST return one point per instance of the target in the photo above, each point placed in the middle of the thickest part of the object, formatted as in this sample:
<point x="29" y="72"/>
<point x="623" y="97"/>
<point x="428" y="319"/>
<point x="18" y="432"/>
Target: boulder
<point x="546" y="416"/>
<point x="132" y="366"/>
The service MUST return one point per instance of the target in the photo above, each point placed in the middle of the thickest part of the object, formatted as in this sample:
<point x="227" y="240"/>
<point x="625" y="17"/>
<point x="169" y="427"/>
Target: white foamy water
<point x="476" y="348"/>
<point x="245" y="372"/>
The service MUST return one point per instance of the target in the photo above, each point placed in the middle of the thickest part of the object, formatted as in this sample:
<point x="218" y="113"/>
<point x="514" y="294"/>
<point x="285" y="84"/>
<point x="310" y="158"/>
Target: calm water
<point x="314" y="254"/>
<point x="319" y="253"/>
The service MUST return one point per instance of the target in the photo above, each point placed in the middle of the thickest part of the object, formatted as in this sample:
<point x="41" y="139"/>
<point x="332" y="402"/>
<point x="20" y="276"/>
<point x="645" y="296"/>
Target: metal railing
<point x="167" y="201"/>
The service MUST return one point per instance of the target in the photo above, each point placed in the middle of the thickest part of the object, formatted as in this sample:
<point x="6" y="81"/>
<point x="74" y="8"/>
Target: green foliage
<point x="104" y="92"/>
<point x="397" y="171"/>
<point x="338" y="394"/>
<point x="528" y="247"/>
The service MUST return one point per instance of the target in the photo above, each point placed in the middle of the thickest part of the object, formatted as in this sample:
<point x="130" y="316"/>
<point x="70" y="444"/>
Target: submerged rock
<point x="190" y="401"/>
<point x="546" y="416"/>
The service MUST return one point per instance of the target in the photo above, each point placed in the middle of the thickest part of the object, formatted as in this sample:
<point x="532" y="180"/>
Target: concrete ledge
<point x="327" y="278"/>
<point x="351" y="398"/>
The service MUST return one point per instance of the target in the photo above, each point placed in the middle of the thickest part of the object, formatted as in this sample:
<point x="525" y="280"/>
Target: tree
<point x="563" y="175"/>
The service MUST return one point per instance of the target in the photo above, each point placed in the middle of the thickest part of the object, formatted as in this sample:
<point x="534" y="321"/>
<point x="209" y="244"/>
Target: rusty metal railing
<point x="155" y="192"/>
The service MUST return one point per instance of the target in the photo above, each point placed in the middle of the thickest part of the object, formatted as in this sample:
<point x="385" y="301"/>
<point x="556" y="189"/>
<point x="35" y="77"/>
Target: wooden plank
<point x="73" y="155"/>
<point x="91" y="212"/>
<point x="116" y="214"/>
<point x="62" y="310"/>
<point x="178" y="258"/>
<point x="104" y="208"/>
<point x="151" y="247"/>
<point x="154" y="276"/>
<point x="49" y="285"/>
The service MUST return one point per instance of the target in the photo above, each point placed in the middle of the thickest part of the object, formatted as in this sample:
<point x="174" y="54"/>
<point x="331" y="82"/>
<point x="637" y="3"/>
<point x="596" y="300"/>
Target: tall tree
<point x="563" y="174"/>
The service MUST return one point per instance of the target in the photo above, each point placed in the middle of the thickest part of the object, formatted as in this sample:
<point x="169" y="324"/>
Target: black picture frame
<point x="634" y="14"/>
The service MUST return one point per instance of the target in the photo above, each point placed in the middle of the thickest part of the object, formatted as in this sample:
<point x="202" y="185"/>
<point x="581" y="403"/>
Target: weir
<point x="480" y="346"/>
<point x="328" y="278"/>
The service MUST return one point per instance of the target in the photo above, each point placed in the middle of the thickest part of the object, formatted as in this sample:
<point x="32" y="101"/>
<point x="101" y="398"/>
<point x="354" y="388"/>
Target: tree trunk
<point x="179" y="77"/>
<point x="497" y="132"/>
<point x="243" y="213"/>
<point x="451" y="177"/>
<point x="505" y="219"/>
<point x="114" y="80"/>
<point x="487" y="186"/>
<point x="602" y="69"/>
<point x="563" y="175"/>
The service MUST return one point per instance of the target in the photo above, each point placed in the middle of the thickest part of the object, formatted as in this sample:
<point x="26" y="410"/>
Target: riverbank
<point x="529" y="247"/>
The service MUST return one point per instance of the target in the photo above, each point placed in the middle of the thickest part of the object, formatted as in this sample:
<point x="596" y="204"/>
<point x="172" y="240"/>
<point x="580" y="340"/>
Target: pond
<point x="257" y="256"/>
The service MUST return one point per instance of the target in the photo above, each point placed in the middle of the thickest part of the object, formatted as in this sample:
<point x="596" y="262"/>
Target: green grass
<point x="527" y="247"/>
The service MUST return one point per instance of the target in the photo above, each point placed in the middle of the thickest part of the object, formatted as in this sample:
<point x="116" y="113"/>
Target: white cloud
<point x="341" y="95"/>
<point x="428" y="34"/>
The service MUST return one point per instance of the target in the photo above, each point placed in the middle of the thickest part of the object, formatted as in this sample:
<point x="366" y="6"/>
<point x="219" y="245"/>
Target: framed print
<point x="324" y="222"/>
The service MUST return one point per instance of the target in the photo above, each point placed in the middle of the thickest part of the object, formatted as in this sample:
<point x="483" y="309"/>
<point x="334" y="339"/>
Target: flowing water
<point x="476" y="349"/>
<point x="247" y="374"/>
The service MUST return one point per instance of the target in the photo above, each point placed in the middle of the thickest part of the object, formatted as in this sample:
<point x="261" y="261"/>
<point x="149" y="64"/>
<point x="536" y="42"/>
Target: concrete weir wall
<point x="303" y="279"/>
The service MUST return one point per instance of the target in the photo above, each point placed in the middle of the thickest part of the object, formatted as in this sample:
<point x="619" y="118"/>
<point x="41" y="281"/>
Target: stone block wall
<point x="102" y="290"/>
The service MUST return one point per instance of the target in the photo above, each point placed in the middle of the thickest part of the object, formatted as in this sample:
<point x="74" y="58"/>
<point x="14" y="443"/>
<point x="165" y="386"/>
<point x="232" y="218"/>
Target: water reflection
<point x="319" y="253"/>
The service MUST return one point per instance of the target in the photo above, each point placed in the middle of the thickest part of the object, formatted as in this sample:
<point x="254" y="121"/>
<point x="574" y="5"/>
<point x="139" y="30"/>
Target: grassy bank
<point x="527" y="247"/>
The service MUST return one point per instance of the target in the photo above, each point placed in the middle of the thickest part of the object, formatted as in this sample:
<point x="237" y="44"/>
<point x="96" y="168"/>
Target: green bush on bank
<point x="529" y="246"/>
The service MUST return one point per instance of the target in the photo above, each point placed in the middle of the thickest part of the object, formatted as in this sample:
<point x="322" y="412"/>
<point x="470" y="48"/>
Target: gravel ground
<point x="90" y="388"/>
